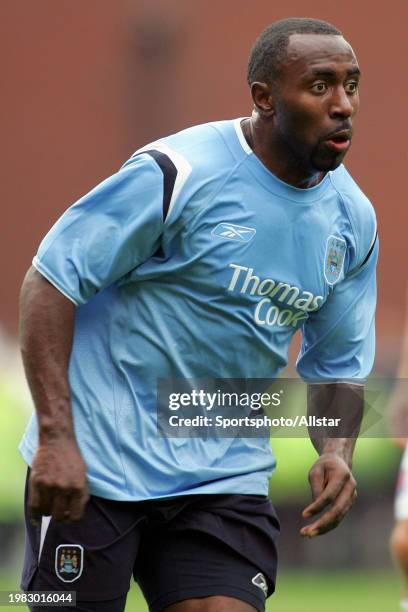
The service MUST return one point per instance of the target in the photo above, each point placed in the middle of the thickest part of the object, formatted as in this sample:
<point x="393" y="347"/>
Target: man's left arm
<point x="331" y="480"/>
<point x="337" y="355"/>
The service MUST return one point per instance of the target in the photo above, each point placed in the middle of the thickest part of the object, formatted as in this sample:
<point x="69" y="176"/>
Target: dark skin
<point x="293" y="119"/>
<point x="57" y="484"/>
<point x="316" y="95"/>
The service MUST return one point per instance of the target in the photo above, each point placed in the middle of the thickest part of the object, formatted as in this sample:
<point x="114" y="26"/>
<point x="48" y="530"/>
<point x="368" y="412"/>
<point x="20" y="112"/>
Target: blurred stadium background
<point x="84" y="85"/>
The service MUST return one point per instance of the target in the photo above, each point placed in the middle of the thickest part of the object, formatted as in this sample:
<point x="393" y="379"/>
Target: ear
<point x="263" y="98"/>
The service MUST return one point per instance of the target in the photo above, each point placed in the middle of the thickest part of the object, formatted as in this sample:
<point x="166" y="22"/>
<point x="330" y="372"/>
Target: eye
<point x="351" y="87"/>
<point x="319" y="88"/>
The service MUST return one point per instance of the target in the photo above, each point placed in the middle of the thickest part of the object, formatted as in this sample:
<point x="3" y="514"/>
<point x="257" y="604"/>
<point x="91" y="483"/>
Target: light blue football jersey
<point x="194" y="260"/>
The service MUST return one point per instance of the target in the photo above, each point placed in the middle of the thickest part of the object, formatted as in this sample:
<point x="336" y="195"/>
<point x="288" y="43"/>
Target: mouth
<point x="339" y="141"/>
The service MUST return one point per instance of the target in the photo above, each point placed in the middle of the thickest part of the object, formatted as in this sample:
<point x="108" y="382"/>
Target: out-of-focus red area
<point x="86" y="83"/>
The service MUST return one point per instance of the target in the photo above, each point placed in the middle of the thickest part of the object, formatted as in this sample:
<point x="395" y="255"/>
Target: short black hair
<point x="269" y="49"/>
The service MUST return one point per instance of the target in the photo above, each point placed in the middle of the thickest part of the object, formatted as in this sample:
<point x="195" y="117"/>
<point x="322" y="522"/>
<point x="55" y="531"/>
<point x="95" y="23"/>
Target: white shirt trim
<point x="183" y="168"/>
<point x="37" y="265"/>
<point x="240" y="134"/>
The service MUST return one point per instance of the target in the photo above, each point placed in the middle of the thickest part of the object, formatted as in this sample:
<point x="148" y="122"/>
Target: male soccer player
<point x="201" y="257"/>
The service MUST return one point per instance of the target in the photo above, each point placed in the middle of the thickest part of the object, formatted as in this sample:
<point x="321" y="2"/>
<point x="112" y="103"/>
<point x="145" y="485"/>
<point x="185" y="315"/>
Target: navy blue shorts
<point x="176" y="549"/>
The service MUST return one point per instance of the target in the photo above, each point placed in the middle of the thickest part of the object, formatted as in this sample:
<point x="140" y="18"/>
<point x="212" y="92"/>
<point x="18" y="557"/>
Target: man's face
<point x="317" y="99"/>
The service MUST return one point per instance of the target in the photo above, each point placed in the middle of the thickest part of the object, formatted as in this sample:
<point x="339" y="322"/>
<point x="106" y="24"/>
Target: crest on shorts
<point x="334" y="258"/>
<point x="69" y="562"/>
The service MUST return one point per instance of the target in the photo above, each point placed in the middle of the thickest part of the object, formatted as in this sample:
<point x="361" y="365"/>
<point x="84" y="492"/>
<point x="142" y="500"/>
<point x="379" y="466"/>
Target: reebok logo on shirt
<point x="234" y="232"/>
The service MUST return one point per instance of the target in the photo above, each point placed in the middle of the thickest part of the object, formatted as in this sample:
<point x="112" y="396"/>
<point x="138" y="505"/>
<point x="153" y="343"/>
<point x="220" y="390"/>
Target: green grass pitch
<point x="301" y="592"/>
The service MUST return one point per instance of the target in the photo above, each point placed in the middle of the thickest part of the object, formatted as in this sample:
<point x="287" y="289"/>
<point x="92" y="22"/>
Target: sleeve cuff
<point x="39" y="267"/>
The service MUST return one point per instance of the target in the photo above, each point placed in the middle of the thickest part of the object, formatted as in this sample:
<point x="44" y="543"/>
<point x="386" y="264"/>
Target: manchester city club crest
<point x="69" y="562"/>
<point x="334" y="258"/>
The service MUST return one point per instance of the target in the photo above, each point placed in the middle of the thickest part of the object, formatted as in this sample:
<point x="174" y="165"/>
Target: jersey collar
<point x="272" y="182"/>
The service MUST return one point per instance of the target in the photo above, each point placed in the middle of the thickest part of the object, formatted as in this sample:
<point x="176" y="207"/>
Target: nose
<point x="341" y="104"/>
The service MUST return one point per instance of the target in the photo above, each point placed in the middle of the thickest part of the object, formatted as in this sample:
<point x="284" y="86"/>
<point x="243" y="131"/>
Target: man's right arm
<point x="97" y="241"/>
<point x="57" y="485"/>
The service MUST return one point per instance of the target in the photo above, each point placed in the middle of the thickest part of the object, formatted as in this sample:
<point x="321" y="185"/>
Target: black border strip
<point x="370" y="251"/>
<point x="169" y="176"/>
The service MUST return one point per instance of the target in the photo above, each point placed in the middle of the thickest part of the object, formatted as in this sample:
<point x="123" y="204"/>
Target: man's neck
<point x="280" y="162"/>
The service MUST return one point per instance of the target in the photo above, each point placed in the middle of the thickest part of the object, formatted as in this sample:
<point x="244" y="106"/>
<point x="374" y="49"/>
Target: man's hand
<point x="333" y="487"/>
<point x="57" y="486"/>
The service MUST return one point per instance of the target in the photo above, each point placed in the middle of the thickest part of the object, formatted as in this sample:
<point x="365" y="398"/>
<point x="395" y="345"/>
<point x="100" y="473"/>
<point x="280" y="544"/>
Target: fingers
<point x="61" y="504"/>
<point x="57" y="486"/>
<point x="61" y="507"/>
<point x="328" y="496"/>
<point x="34" y="504"/>
<point x="70" y="506"/>
<point x="77" y="506"/>
<point x="40" y="500"/>
<point x="317" y="481"/>
<point x="330" y="519"/>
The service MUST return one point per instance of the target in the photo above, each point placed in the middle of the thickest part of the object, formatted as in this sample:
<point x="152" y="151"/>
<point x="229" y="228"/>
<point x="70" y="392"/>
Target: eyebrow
<point x="332" y="73"/>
